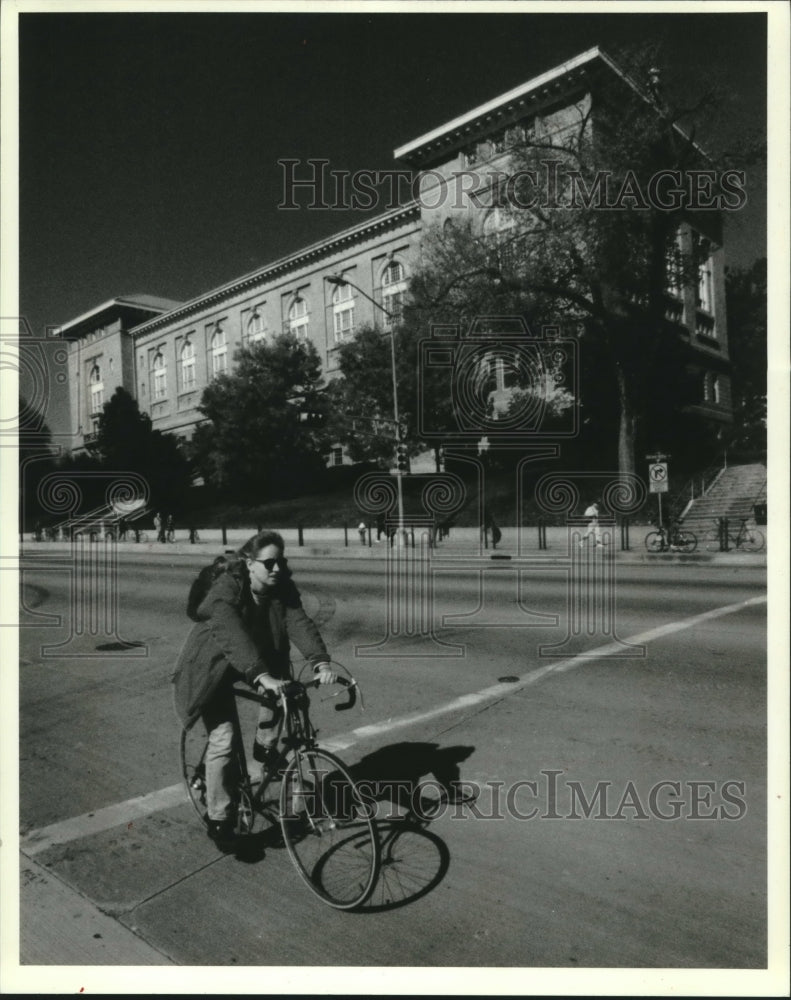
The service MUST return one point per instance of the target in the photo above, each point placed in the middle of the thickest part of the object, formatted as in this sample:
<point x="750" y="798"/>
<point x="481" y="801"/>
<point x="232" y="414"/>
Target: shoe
<point x="222" y="832"/>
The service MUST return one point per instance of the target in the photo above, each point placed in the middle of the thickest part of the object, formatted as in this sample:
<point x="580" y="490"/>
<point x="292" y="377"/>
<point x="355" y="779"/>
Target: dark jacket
<point x="236" y="637"/>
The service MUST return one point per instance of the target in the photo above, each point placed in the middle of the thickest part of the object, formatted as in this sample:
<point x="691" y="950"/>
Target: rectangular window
<point x="705" y="287"/>
<point x="344" y="323"/>
<point x="394" y="305"/>
<point x="160" y="384"/>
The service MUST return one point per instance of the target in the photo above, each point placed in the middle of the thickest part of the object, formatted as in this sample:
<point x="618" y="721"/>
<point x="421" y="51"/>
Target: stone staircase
<point x="733" y="495"/>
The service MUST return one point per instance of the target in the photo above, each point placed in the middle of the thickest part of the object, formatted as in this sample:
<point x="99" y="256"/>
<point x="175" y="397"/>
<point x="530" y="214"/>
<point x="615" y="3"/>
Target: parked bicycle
<point x="746" y="538"/>
<point x="671" y="539"/>
<point x="327" y="828"/>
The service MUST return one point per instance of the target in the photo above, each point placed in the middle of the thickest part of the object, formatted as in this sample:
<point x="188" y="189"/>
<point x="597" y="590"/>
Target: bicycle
<point x="746" y="539"/>
<point x="327" y="827"/>
<point x="669" y="539"/>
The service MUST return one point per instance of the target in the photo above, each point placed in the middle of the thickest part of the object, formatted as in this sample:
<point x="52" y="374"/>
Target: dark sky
<point x="149" y="142"/>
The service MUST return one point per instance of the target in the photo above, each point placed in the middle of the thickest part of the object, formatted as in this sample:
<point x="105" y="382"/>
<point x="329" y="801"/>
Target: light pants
<point x="593" y="529"/>
<point x="219" y="719"/>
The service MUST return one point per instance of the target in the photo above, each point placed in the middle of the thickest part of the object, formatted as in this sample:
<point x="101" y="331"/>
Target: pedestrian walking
<point x="490" y="525"/>
<point x="592" y="512"/>
<point x="159" y="527"/>
<point x="123" y="528"/>
<point x="361" y="529"/>
<point x="247" y="611"/>
<point x="171" y="528"/>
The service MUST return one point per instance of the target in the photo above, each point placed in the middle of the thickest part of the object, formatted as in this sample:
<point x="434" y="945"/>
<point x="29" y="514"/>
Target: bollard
<point x="542" y="535"/>
<point x="625" y="535"/>
<point x="345" y="535"/>
<point x="724" y="534"/>
<point x="224" y="535"/>
<point x="300" y="536"/>
<point x="370" y="537"/>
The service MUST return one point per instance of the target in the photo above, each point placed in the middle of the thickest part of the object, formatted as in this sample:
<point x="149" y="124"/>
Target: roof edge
<point x="510" y="95"/>
<point x="290" y="260"/>
<point x="120" y="300"/>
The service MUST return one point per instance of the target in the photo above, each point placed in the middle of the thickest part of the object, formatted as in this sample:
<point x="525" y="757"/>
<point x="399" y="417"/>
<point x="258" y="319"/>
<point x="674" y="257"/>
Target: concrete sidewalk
<point x="62" y="927"/>
<point x="461" y="544"/>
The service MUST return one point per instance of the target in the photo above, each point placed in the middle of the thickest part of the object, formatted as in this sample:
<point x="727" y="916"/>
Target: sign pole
<point x="658" y="478"/>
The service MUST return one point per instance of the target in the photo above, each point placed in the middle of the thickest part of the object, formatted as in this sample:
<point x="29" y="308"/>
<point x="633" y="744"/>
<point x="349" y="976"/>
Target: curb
<point x="447" y="554"/>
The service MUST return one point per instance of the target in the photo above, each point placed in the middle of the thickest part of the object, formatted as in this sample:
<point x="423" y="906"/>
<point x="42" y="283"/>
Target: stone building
<point x="164" y="353"/>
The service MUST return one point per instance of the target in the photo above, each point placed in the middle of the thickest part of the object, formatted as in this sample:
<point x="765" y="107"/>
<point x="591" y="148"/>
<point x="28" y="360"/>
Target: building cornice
<point x="514" y="104"/>
<point x="292" y="262"/>
<point x="506" y="106"/>
<point x="120" y="301"/>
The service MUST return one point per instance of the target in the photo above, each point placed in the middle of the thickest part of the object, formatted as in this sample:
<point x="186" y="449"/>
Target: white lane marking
<point x="100" y="820"/>
<point x="498" y="690"/>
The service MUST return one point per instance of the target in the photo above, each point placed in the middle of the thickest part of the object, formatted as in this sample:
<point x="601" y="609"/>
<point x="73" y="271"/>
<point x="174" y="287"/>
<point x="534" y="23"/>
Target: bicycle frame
<point x="296" y="733"/>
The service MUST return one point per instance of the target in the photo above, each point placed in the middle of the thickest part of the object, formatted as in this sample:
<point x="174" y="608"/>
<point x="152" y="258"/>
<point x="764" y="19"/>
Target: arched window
<point x="298" y="319"/>
<point x="255" y="328"/>
<point x="219" y="351"/>
<point x="343" y="312"/>
<point x="160" y="376"/>
<point x="187" y="365"/>
<point x="393" y="292"/>
<point x="97" y="389"/>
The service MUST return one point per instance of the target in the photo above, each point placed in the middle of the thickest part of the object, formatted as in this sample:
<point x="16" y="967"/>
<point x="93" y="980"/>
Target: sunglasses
<point x="269" y="564"/>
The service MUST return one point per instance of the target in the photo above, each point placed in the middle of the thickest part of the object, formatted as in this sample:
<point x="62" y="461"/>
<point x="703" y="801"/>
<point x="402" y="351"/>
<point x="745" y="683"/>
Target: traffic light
<point x="403" y="461"/>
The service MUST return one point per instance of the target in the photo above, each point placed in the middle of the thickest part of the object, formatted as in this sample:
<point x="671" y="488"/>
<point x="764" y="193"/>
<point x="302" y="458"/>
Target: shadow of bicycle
<point x="409" y="785"/>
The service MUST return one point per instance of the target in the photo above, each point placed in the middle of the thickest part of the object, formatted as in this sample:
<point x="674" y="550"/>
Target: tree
<point x="361" y="400"/>
<point x="746" y="297"/>
<point x="126" y="442"/>
<point x="257" y="443"/>
<point x="576" y="237"/>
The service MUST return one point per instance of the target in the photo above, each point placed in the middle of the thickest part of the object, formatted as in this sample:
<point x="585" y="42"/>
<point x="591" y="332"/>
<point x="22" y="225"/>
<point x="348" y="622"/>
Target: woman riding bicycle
<point x="248" y="610"/>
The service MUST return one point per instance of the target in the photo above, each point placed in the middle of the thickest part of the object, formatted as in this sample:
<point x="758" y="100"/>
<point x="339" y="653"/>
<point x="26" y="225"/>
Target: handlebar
<point x="349" y="686"/>
<point x="293" y="689"/>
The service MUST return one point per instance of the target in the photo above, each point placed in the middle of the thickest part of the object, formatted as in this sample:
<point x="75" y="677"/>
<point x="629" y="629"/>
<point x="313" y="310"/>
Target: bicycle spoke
<point x="328" y="830"/>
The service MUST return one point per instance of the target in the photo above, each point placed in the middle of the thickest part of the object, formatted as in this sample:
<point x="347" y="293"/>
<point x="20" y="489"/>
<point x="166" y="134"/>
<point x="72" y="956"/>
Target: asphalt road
<point x="583" y="714"/>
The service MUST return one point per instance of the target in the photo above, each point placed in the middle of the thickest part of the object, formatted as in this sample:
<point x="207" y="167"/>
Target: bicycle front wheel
<point x="752" y="540"/>
<point x="655" y="541"/>
<point x="329" y="830"/>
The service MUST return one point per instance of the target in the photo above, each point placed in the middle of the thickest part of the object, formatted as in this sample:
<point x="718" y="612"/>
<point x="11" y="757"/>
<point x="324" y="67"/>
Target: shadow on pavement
<point x="410" y="783"/>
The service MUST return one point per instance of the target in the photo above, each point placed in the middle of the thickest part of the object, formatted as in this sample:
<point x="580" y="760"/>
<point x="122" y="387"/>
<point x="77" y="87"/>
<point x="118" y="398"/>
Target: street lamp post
<point x="340" y="282"/>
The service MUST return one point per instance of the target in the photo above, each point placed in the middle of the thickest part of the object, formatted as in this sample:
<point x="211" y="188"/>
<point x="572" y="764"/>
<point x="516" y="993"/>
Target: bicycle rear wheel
<point x="194" y="742"/>
<point x="654" y="541"/>
<point x="254" y="802"/>
<point x="686" y="541"/>
<point x="328" y="829"/>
